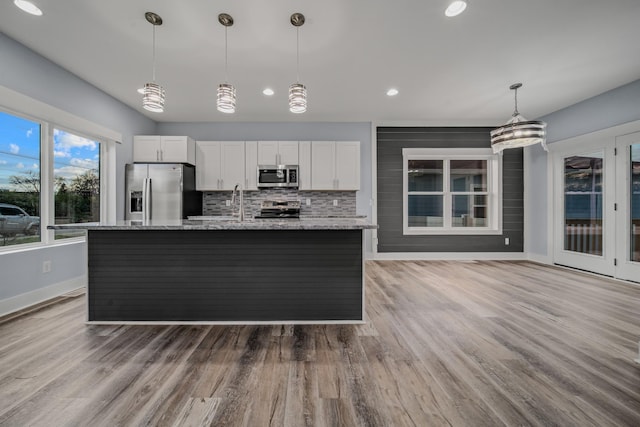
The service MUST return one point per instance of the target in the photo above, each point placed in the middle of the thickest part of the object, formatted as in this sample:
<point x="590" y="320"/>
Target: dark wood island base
<point x="225" y="276"/>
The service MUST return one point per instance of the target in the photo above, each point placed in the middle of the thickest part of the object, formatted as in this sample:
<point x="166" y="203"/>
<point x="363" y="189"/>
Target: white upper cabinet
<point x="277" y="152"/>
<point x="220" y="165"/>
<point x="163" y="149"/>
<point x="323" y="165"/>
<point x="348" y="165"/>
<point x="251" y="165"/>
<point x="335" y="165"/>
<point x="304" y="159"/>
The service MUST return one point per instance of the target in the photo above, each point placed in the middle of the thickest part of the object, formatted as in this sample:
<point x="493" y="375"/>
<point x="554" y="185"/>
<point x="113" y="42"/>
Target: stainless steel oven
<point x="277" y="176"/>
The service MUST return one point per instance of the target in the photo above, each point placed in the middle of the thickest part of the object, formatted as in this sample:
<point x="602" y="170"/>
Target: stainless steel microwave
<point x="277" y="176"/>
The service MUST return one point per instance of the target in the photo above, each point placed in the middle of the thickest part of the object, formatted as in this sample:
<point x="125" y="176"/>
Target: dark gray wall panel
<point x="391" y="141"/>
<point x="239" y="275"/>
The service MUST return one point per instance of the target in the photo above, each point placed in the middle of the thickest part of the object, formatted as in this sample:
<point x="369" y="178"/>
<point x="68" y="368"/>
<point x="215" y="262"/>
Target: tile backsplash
<point x="214" y="202"/>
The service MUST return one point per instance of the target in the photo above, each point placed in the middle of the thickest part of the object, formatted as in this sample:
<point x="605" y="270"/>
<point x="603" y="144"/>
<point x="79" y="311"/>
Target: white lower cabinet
<point x="220" y="165"/>
<point x="335" y="165"/>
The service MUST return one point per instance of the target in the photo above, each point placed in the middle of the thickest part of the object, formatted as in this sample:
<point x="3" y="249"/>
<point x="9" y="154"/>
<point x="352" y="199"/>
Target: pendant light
<point x="226" y="101"/>
<point x="297" y="91"/>
<point x="153" y="93"/>
<point x="518" y="131"/>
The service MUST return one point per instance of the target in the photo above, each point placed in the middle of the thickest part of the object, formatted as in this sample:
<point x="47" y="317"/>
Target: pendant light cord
<point x="297" y="54"/>
<point x="515" y="96"/>
<point x="154" y="54"/>
<point x="226" y="62"/>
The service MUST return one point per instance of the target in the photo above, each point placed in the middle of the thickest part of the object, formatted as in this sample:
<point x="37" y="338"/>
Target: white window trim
<point x="49" y="117"/>
<point x="494" y="179"/>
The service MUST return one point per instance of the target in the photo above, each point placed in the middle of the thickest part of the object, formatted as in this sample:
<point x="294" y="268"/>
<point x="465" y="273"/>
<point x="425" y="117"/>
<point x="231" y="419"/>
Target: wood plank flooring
<point x="447" y="344"/>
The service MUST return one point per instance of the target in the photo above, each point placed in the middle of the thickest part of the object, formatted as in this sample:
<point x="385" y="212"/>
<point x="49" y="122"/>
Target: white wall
<point x="24" y="71"/>
<point x="615" y="107"/>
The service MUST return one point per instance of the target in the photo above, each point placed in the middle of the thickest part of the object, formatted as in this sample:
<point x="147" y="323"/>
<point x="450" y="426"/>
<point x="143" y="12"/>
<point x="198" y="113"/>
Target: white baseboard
<point x="449" y="256"/>
<point x="542" y="259"/>
<point x="28" y="299"/>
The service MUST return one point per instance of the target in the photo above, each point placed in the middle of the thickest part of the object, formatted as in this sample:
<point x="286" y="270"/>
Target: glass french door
<point x="597" y="206"/>
<point x="584" y="191"/>
<point x="628" y="206"/>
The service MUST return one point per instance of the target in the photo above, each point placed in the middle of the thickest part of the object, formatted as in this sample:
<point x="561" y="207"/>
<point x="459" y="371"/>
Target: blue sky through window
<point x="20" y="151"/>
<point x="19" y="148"/>
<point x="74" y="155"/>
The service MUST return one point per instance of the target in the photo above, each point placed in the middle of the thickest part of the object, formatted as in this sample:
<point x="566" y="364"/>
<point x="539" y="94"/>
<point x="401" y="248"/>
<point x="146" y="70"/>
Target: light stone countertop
<point x="357" y="223"/>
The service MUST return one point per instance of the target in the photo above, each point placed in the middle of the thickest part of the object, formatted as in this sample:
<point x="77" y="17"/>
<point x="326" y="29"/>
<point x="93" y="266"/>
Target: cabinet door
<point x="251" y="165"/>
<point x="146" y="148"/>
<point x="304" y="159"/>
<point x="177" y="149"/>
<point x="323" y="167"/>
<point x="208" y="172"/>
<point x="348" y="165"/>
<point x="267" y="152"/>
<point x="232" y="164"/>
<point x="288" y="153"/>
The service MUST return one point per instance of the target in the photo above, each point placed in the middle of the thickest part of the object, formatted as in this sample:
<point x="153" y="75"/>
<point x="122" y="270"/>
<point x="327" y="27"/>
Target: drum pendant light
<point x="518" y="131"/>
<point x="226" y="101"/>
<point x="153" y="94"/>
<point x="297" y="91"/>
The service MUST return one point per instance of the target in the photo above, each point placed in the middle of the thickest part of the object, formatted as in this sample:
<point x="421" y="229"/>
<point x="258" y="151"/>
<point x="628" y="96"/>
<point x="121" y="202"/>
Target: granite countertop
<point x="356" y="223"/>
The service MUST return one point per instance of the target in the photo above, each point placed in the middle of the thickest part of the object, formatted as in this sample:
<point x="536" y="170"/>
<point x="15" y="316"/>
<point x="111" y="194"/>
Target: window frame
<point x="59" y="119"/>
<point x="494" y="190"/>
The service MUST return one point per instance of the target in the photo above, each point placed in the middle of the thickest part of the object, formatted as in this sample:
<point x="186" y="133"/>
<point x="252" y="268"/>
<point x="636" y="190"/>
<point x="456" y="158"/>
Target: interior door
<point x="584" y="189"/>
<point x="628" y="206"/>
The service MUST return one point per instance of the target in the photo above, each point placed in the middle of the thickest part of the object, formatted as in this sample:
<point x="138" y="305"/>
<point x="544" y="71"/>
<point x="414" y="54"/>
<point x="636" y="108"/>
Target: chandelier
<point x="518" y="131"/>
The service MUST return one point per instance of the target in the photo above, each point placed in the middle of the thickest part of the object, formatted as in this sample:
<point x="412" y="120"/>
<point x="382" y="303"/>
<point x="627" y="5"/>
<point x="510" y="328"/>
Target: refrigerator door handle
<point x="146" y="199"/>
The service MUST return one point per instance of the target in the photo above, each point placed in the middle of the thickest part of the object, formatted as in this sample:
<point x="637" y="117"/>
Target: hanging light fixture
<point x="226" y="101"/>
<point x="518" y="131"/>
<point x="297" y="91"/>
<point x="153" y="93"/>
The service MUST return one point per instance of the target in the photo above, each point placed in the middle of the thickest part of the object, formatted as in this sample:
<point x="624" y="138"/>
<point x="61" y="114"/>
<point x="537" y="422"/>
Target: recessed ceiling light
<point x="392" y="92"/>
<point x="28" y="7"/>
<point x="268" y="91"/>
<point x="140" y="90"/>
<point x="456" y="8"/>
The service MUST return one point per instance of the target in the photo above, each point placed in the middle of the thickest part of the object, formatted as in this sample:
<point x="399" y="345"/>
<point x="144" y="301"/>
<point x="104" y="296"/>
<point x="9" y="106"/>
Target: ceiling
<point x="447" y="70"/>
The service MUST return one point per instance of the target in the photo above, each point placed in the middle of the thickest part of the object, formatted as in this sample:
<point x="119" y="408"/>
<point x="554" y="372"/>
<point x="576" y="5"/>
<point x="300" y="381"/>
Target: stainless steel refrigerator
<point x="161" y="191"/>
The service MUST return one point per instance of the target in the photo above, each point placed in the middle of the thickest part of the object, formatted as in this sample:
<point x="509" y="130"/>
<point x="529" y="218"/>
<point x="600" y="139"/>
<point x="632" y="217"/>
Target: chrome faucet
<point x="240" y="201"/>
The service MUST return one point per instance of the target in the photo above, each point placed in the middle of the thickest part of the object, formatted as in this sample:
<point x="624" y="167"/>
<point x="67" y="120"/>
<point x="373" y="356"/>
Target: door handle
<point x="146" y="199"/>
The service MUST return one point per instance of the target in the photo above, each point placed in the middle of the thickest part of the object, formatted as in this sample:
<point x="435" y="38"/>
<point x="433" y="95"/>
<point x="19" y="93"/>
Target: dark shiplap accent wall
<point x="391" y="141"/>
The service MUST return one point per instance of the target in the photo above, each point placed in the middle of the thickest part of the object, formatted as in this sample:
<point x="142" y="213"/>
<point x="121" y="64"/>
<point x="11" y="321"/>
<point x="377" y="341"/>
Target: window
<point x="76" y="180"/>
<point x="451" y="191"/>
<point x="19" y="180"/>
<point x="51" y="175"/>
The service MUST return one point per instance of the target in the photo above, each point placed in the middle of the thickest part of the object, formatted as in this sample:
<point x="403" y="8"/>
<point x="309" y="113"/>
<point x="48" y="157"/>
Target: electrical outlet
<point x="506" y="241"/>
<point x="46" y="266"/>
<point x="335" y="202"/>
<point x="227" y="202"/>
<point x="308" y="202"/>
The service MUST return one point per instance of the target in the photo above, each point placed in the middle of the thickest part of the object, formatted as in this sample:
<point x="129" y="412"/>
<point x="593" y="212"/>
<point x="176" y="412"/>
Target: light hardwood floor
<point x="447" y="343"/>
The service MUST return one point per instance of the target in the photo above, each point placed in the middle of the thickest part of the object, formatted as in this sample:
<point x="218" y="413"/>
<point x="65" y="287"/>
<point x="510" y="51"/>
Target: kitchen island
<point x="230" y="271"/>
